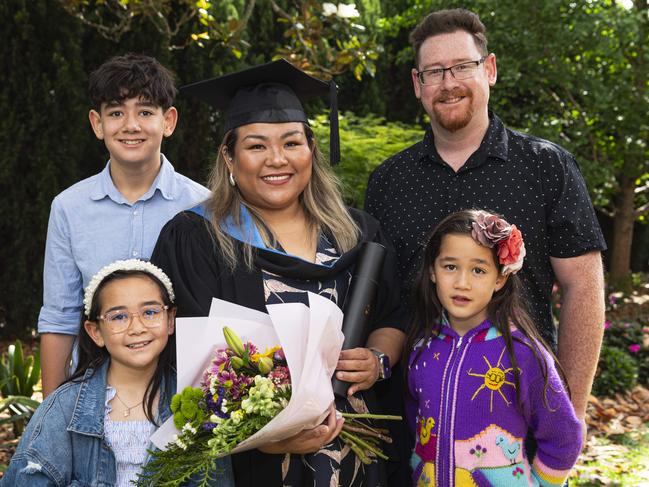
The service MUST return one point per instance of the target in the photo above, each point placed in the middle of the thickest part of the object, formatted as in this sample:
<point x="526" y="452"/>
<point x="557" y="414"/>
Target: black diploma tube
<point x="359" y="302"/>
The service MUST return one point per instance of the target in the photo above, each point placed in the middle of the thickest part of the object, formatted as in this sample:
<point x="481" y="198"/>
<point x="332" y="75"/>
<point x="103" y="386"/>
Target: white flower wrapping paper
<point x="310" y="336"/>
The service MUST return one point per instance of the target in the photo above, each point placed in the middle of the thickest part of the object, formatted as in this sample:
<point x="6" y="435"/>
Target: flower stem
<point x="366" y="432"/>
<point x="356" y="449"/>
<point x="371" y="416"/>
<point x="359" y="424"/>
<point x="364" y="444"/>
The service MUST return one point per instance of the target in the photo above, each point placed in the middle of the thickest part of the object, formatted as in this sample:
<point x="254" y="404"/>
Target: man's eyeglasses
<point x="459" y="71"/>
<point x="118" y="320"/>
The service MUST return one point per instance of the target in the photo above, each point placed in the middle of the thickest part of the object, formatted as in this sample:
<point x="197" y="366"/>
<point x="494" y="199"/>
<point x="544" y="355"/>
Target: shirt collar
<point x="247" y="232"/>
<point x="495" y="143"/>
<point x="446" y="330"/>
<point x="165" y="182"/>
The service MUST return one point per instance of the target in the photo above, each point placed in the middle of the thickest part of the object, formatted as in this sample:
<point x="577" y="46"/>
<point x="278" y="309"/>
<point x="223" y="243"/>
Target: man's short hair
<point x="132" y="76"/>
<point x="447" y="22"/>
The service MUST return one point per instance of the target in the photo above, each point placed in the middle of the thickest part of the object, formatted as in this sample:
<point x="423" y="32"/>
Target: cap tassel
<point x="334" y="137"/>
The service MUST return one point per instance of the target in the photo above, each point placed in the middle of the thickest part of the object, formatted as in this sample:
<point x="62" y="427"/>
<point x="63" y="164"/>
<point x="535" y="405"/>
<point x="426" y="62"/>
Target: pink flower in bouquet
<point x="280" y="376"/>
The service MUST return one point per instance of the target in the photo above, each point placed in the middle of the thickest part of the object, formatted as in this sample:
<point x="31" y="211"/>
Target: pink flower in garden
<point x="612" y="299"/>
<point x="634" y="348"/>
<point x="607" y="325"/>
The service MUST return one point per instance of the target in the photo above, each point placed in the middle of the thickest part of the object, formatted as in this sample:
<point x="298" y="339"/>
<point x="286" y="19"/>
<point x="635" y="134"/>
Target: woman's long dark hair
<point x="92" y="356"/>
<point x="506" y="306"/>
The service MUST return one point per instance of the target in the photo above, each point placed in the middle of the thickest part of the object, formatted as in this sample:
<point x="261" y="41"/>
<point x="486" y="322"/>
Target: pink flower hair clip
<point x="489" y="230"/>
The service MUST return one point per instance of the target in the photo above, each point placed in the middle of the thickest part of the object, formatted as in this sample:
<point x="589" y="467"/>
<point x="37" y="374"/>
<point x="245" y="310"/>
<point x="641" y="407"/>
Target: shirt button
<point x="135" y="253"/>
<point x="135" y="212"/>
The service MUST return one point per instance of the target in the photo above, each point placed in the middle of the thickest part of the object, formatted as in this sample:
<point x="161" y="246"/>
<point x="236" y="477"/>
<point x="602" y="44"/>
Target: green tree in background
<point x="572" y="72"/>
<point x="43" y="96"/>
<point x="365" y="142"/>
<point x="575" y="73"/>
<point x="580" y="78"/>
<point x="322" y="38"/>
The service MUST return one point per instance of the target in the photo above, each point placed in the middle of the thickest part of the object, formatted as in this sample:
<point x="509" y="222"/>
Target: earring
<point x="233" y="183"/>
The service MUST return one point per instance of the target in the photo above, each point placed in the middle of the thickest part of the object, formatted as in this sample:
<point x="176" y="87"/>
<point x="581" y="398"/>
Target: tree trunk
<point x="623" y="230"/>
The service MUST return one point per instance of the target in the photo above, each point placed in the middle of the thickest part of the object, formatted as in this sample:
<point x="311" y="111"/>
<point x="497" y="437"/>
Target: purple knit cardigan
<point x="467" y="422"/>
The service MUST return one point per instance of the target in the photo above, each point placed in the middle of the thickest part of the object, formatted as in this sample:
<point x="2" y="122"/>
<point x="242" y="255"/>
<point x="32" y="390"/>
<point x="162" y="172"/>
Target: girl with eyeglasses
<point x="95" y="428"/>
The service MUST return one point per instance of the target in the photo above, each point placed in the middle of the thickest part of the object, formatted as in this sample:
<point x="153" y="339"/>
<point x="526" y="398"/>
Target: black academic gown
<point x="187" y="252"/>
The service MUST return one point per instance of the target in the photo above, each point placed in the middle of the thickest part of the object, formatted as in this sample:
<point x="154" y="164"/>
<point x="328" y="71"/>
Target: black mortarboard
<point x="268" y="93"/>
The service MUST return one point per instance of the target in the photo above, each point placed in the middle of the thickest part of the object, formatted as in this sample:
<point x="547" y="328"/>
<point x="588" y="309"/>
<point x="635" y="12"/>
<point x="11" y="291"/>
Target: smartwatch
<point x="384" y="364"/>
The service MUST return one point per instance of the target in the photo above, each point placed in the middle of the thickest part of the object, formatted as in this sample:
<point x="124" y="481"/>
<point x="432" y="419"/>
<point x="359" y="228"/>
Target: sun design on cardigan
<point x="494" y="379"/>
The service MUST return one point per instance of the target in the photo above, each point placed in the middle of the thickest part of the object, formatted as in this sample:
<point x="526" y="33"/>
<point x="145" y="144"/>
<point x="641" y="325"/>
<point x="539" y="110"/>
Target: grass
<point x="616" y="460"/>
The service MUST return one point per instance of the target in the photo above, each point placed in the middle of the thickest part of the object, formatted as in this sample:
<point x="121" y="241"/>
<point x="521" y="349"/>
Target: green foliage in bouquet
<point x="19" y="375"/>
<point x="617" y="371"/>
<point x="185" y="407"/>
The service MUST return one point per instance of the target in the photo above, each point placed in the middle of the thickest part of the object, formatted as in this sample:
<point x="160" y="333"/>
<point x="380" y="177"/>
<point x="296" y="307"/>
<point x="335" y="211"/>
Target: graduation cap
<point x="268" y="93"/>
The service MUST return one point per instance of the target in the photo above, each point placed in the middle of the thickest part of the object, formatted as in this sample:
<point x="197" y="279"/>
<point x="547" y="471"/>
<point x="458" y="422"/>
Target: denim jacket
<point x="64" y="446"/>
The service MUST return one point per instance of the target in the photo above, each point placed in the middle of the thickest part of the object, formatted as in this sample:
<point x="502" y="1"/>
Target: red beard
<point x="455" y="118"/>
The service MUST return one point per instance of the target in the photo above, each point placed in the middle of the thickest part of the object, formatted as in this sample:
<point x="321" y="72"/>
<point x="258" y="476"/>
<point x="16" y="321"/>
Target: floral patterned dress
<point x="335" y="464"/>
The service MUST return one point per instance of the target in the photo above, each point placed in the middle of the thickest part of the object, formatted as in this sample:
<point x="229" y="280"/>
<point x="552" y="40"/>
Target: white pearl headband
<point x="124" y="265"/>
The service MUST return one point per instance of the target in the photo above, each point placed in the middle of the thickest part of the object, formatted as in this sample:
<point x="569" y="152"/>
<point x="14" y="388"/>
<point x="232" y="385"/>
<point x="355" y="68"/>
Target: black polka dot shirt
<point x="530" y="181"/>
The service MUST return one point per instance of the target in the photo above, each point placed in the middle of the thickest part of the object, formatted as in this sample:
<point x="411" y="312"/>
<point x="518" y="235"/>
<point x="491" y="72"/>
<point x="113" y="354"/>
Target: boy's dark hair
<point x="447" y="22"/>
<point x="92" y="356"/>
<point x="132" y="76"/>
<point x="505" y="308"/>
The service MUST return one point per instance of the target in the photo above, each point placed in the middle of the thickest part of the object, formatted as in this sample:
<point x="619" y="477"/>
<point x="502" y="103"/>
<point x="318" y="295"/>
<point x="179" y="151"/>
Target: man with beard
<point x="468" y="159"/>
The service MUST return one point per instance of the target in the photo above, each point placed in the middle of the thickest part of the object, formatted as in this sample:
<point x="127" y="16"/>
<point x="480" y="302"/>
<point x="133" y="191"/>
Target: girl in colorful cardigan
<point x="479" y="375"/>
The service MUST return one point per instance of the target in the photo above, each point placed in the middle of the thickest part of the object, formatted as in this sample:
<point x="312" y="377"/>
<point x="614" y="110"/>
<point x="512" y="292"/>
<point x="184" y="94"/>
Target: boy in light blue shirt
<point x="133" y="197"/>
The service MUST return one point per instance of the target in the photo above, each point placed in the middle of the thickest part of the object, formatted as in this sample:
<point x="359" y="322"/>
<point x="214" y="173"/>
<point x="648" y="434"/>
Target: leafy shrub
<point x="365" y="142"/>
<point x="617" y="371"/>
<point x="632" y="338"/>
<point x="19" y="375"/>
<point x="627" y="336"/>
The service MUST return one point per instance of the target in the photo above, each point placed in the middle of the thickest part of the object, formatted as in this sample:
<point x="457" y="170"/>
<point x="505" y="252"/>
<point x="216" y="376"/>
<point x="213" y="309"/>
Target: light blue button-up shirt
<point x="92" y="224"/>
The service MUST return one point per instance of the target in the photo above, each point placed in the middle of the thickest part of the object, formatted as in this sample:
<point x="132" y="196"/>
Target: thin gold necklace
<point x="127" y="412"/>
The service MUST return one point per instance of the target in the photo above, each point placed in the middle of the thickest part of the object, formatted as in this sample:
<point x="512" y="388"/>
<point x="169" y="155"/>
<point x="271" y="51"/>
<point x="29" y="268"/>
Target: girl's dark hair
<point x="506" y="306"/>
<point x="92" y="356"/>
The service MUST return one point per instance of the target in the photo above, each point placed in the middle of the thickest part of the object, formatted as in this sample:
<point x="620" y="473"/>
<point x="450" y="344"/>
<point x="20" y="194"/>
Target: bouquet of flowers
<point x="246" y="397"/>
